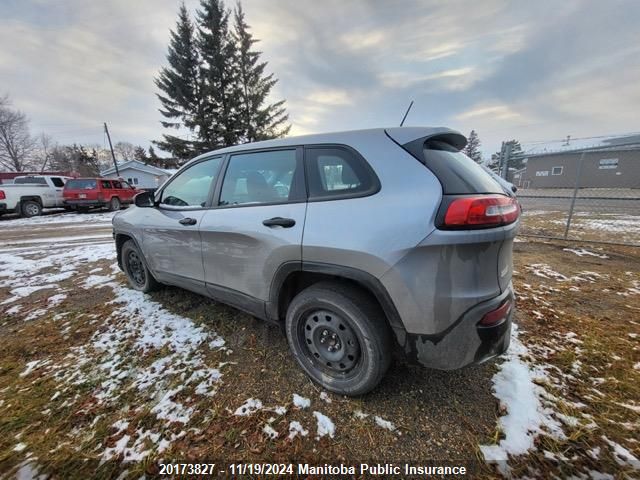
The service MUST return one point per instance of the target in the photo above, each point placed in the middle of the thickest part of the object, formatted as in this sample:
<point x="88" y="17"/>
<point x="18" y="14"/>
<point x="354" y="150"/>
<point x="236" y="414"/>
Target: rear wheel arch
<point x="292" y="278"/>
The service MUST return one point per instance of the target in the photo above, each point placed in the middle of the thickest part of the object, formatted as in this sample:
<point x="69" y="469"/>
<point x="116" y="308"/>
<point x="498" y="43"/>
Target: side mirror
<point x="144" y="200"/>
<point x="514" y="188"/>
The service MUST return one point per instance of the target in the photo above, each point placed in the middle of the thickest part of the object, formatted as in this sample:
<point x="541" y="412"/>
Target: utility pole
<point x="507" y="156"/>
<point x="113" y="155"/>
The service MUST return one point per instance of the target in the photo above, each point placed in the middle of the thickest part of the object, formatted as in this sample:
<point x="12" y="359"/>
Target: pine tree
<point x="258" y="120"/>
<point x="179" y="84"/>
<point x="219" y="120"/>
<point x="140" y="154"/>
<point x="472" y="149"/>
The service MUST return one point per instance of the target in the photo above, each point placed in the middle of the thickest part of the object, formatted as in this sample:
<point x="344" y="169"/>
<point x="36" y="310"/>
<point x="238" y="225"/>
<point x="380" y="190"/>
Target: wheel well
<point x="297" y="281"/>
<point x="31" y="199"/>
<point x="121" y="238"/>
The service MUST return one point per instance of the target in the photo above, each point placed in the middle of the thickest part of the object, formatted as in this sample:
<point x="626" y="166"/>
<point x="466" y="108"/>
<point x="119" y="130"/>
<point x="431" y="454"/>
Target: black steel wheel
<point x="135" y="268"/>
<point x="339" y="336"/>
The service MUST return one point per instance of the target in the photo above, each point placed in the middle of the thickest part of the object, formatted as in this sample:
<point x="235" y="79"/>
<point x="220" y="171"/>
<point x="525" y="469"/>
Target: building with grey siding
<point x="139" y="174"/>
<point x="610" y="163"/>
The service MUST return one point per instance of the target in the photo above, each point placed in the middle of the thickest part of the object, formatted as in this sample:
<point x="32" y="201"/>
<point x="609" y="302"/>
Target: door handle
<point x="188" y="221"/>
<point x="279" y="222"/>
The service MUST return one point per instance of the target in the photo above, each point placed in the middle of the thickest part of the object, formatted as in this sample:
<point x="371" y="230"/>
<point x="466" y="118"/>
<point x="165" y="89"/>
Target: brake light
<point x="496" y="316"/>
<point x="482" y="211"/>
<point x="2" y="195"/>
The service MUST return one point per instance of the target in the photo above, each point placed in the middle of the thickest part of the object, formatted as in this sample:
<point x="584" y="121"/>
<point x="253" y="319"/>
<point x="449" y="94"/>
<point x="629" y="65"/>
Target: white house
<point x="139" y="174"/>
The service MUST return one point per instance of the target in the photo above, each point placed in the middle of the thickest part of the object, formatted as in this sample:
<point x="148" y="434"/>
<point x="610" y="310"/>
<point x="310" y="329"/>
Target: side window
<point x="262" y="177"/>
<point x="117" y="184"/>
<point x="191" y="187"/>
<point x="57" y="182"/>
<point x="337" y="171"/>
<point x="106" y="184"/>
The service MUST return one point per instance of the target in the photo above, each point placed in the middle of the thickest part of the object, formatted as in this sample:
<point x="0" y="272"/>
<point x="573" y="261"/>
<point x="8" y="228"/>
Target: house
<point x="607" y="162"/>
<point x="139" y="174"/>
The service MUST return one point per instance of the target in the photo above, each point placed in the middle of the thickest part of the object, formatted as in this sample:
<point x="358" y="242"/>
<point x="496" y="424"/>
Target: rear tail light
<point x="481" y="211"/>
<point x="496" y="316"/>
<point x="2" y="195"/>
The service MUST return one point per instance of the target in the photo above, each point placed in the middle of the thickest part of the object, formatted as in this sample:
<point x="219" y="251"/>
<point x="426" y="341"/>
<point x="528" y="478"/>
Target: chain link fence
<point x="588" y="214"/>
<point x="589" y="193"/>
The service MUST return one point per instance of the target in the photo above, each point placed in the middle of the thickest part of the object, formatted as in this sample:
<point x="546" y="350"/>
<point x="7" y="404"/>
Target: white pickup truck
<point x="28" y="195"/>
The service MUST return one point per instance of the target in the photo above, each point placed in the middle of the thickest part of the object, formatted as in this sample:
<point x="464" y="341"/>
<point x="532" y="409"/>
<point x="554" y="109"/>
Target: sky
<point x="532" y="71"/>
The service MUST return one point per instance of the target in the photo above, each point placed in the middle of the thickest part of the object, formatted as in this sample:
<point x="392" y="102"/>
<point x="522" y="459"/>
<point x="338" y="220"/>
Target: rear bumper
<point x="84" y="203"/>
<point x="464" y="343"/>
<point x="4" y="209"/>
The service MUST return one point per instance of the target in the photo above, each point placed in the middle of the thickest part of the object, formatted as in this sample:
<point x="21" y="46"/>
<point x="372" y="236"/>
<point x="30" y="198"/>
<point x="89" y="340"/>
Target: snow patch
<point x="325" y="425"/>
<point x="295" y="428"/>
<point x="301" y="402"/>
<point x="249" y="407"/>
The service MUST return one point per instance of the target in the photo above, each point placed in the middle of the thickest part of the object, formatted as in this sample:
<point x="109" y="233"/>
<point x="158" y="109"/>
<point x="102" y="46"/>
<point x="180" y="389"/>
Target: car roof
<point x="401" y="135"/>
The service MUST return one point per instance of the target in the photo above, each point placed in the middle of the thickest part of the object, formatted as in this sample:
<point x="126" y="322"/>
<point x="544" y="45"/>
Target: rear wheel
<point x="135" y="268"/>
<point x="31" y="208"/>
<point x="340" y="338"/>
<point x="114" y="204"/>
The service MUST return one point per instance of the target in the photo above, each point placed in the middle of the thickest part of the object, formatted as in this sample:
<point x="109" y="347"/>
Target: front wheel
<point x="339" y="337"/>
<point x="135" y="268"/>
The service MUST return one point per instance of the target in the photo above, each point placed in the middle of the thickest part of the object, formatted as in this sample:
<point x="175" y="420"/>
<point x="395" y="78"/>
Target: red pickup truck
<point x="85" y="193"/>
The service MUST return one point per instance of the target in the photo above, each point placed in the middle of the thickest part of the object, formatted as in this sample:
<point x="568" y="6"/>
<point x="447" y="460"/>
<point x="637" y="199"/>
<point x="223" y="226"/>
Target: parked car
<point x="28" y="195"/>
<point x="85" y="193"/>
<point x="356" y="242"/>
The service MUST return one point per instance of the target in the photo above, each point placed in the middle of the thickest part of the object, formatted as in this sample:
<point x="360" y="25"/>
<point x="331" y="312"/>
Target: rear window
<point x="81" y="184"/>
<point x="32" y="180"/>
<point x="457" y="173"/>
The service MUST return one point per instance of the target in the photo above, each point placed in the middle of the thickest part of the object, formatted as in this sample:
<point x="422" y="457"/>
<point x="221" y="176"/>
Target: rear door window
<point x="338" y="172"/>
<point x="57" y="182"/>
<point x="106" y="184"/>
<point x="261" y="177"/>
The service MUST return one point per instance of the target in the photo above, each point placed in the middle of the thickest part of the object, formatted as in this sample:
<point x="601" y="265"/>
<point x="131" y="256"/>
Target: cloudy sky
<point x="508" y="69"/>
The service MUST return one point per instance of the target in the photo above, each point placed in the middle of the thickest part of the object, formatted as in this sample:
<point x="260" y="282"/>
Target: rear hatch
<point x="475" y="210"/>
<point x="81" y="189"/>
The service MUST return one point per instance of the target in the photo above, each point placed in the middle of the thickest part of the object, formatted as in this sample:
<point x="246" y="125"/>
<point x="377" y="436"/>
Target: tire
<point x="333" y="315"/>
<point x="114" y="204"/>
<point x="30" y="208"/>
<point x="136" y="270"/>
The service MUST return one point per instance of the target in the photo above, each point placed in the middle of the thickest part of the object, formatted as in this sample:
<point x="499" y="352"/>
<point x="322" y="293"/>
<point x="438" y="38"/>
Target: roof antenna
<point x="406" y="113"/>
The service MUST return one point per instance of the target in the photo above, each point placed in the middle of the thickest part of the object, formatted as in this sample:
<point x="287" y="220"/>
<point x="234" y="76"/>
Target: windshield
<point x="81" y="184"/>
<point x="24" y="180"/>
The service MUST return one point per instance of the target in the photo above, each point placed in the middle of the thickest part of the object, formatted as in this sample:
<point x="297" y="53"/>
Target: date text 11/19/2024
<point x="306" y="469"/>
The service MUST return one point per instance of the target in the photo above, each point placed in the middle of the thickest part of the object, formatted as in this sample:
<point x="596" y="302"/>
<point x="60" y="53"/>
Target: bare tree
<point x="125" y="151"/>
<point x="44" y="150"/>
<point x="16" y="143"/>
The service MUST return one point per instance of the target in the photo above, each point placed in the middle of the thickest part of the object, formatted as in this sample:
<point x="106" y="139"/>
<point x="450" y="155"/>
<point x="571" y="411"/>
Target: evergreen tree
<point x="219" y="120"/>
<point x="258" y="120"/>
<point x="179" y="85"/>
<point x="140" y="154"/>
<point x="472" y="149"/>
<point x="516" y="159"/>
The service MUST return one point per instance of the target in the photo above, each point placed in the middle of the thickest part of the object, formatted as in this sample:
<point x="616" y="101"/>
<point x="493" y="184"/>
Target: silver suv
<point x="357" y="243"/>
